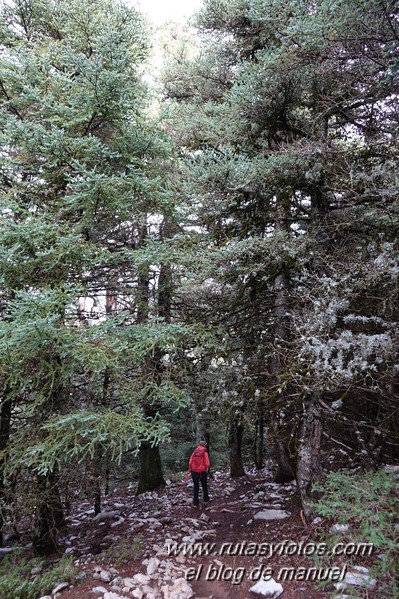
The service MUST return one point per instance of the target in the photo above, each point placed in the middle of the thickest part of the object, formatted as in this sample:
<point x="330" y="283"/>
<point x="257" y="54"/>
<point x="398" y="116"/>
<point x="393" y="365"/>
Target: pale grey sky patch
<point x="160" y="11"/>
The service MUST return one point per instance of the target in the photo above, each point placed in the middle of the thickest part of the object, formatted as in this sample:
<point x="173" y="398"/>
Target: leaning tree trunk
<point x="309" y="455"/>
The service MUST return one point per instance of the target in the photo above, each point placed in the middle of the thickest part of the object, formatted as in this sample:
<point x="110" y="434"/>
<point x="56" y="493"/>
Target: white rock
<point x="391" y="468"/>
<point x="46" y="597"/>
<point x="152" y="565"/>
<point x="339" y="528"/>
<point x="60" y="587"/>
<point x="105" y="515"/>
<point x="118" y="522"/>
<point x="128" y="583"/>
<point x="140" y="579"/>
<point x="110" y="595"/>
<point x="105" y="576"/>
<point x="179" y="590"/>
<point x="138" y="594"/>
<point x="204" y="517"/>
<point x="359" y="576"/>
<point x="267" y="588"/>
<point x="272" y="515"/>
<point x="100" y="590"/>
<point x="148" y="590"/>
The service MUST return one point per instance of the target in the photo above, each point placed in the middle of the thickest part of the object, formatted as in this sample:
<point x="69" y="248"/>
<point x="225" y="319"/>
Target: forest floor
<point x="132" y="534"/>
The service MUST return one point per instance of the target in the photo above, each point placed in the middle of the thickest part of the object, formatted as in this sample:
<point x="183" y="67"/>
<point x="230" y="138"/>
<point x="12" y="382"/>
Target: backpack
<point x="198" y="461"/>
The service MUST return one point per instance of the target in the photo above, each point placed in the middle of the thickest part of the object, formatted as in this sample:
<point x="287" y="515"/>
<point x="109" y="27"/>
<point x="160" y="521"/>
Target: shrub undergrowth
<point x="17" y="581"/>
<point x="369" y="504"/>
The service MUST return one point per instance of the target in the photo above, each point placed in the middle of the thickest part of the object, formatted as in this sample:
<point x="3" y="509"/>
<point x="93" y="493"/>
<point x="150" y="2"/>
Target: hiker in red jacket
<point x="198" y="466"/>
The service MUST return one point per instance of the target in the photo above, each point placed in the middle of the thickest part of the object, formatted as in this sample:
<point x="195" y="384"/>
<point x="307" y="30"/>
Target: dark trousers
<point x="197" y="478"/>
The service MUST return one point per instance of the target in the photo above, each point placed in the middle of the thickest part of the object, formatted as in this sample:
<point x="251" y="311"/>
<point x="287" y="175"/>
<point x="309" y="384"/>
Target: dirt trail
<point x="237" y="544"/>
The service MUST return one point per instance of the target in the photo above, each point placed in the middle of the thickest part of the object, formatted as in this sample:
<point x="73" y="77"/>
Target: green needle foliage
<point x="287" y="117"/>
<point x="83" y="349"/>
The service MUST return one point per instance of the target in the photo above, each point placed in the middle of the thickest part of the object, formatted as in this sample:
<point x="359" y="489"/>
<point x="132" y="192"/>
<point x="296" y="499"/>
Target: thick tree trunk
<point x="151" y="475"/>
<point x="236" y="432"/>
<point x="5" y="415"/>
<point x="309" y="446"/>
<point x="308" y="464"/>
<point x="49" y="518"/>
<point x="284" y="472"/>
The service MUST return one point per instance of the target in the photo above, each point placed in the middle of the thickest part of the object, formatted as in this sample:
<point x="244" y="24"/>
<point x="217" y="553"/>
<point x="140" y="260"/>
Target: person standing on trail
<point x="198" y="465"/>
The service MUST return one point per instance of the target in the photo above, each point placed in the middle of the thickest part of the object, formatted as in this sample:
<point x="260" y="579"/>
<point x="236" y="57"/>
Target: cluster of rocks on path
<point x="149" y="517"/>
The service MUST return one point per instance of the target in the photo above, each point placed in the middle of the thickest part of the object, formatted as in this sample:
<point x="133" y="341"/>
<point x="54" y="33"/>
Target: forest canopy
<point x="215" y="255"/>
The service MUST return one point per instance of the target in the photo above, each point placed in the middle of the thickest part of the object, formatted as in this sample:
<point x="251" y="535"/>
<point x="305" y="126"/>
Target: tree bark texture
<point x="151" y="475"/>
<point x="309" y="453"/>
<point x="284" y="472"/>
<point x="5" y="423"/>
<point x="259" y="443"/>
<point x="235" y="444"/>
<point x="49" y="518"/>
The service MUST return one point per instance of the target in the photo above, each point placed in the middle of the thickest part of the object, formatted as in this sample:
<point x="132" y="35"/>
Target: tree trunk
<point x="259" y="444"/>
<point x="151" y="475"/>
<point x="309" y="446"/>
<point x="98" y="468"/>
<point x="308" y="464"/>
<point x="5" y="421"/>
<point x="236" y="432"/>
<point x="97" y="483"/>
<point x="284" y="472"/>
<point x="49" y="518"/>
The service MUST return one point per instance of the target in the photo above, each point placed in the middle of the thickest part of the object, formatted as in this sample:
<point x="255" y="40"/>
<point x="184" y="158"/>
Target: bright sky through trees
<point x="160" y="11"/>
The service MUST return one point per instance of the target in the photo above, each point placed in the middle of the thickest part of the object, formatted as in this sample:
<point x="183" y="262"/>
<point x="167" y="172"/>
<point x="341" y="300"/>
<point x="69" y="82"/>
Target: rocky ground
<point x="142" y="547"/>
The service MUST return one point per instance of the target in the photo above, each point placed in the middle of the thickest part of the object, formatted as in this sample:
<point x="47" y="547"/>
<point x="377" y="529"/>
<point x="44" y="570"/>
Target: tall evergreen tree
<point x="288" y="115"/>
<point x="80" y="179"/>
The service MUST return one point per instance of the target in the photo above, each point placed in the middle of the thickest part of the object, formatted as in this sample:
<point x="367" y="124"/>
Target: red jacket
<point x="199" y="461"/>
